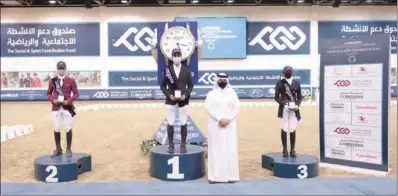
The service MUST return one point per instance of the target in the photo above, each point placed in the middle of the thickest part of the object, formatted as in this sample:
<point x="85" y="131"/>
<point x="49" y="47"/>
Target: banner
<point x="50" y="39"/>
<point x="223" y="38"/>
<point x="130" y="39"/>
<point x="208" y="78"/>
<point x="41" y="79"/>
<point x="349" y="29"/>
<point x="139" y="94"/>
<point x="278" y="38"/>
<point x="355" y="101"/>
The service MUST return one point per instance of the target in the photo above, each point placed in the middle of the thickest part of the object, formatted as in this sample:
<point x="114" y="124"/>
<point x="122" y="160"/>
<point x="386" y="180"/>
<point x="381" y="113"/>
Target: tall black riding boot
<point x="292" y="144"/>
<point x="69" y="143"/>
<point x="170" y="135"/>
<point x="58" y="149"/>
<point x="284" y="143"/>
<point x="184" y="132"/>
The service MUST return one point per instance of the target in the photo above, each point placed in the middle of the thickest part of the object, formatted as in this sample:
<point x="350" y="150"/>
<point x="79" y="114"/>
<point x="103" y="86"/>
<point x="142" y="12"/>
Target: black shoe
<point x="231" y="182"/>
<point x="68" y="152"/>
<point x="171" y="149"/>
<point x="293" y="153"/>
<point x="285" y="153"/>
<point x="57" y="152"/>
<point x="183" y="148"/>
<point x="211" y="182"/>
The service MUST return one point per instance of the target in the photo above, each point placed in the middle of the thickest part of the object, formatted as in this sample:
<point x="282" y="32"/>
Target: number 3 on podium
<point x="303" y="171"/>
<point x="53" y="172"/>
<point x="175" y="169"/>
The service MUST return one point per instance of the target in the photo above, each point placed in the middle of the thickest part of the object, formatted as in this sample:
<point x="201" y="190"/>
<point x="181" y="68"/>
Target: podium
<point x="177" y="166"/>
<point x="301" y="167"/>
<point x="61" y="168"/>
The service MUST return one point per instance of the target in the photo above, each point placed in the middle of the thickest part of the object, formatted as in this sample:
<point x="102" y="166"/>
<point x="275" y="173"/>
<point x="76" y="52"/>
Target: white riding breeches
<point x="289" y="121"/>
<point x="60" y="115"/>
<point x="172" y="114"/>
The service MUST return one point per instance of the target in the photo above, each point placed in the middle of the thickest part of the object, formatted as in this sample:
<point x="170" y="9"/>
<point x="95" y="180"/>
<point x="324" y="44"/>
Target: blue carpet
<point x="315" y="186"/>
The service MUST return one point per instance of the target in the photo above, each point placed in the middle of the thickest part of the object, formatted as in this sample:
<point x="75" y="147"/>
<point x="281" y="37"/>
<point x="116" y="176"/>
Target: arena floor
<point x="113" y="136"/>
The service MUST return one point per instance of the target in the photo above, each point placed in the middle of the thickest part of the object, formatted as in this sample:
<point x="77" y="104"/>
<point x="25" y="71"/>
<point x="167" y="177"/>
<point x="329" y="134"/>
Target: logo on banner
<point x="101" y="95"/>
<point x="352" y="95"/>
<point x="208" y="78"/>
<point x="305" y="92"/>
<point x="142" y="39"/>
<point x="271" y="92"/>
<point x="11" y="95"/>
<point x="256" y="93"/>
<point x="338" y="71"/>
<point x="366" y="107"/>
<point x="342" y="83"/>
<point x="280" y="38"/>
<point x="352" y="143"/>
<point x="336" y="107"/>
<point x="366" y="156"/>
<point x="342" y="131"/>
<point x="337" y="153"/>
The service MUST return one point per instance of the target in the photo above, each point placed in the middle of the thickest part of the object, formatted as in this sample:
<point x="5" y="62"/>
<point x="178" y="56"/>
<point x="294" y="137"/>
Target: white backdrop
<point x="119" y="14"/>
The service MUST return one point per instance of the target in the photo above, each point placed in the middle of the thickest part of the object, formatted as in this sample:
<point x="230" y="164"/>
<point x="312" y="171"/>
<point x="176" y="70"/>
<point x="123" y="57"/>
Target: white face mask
<point x="176" y="60"/>
<point x="61" y="72"/>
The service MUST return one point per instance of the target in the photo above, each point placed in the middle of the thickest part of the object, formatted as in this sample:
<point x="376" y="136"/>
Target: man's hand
<point x="224" y="122"/>
<point x="172" y="98"/>
<point x="183" y="97"/>
<point x="55" y="102"/>
<point x="65" y="102"/>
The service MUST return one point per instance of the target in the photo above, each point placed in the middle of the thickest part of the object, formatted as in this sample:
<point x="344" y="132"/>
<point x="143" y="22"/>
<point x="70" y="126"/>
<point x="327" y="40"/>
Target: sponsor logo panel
<point x="366" y="120"/>
<point x="141" y="94"/>
<point x="366" y="156"/>
<point x="353" y="143"/>
<point x="367" y="70"/>
<point x="353" y="95"/>
<point x="371" y="83"/>
<point x="362" y="132"/>
<point x="338" y="118"/>
<point x="337" y="107"/>
<point x="338" y="153"/>
<point x="338" y="71"/>
<point x="366" y="108"/>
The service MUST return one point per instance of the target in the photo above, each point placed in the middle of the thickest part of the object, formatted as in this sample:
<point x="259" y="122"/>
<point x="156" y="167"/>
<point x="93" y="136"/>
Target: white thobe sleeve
<point x="209" y="106"/>
<point x="235" y="108"/>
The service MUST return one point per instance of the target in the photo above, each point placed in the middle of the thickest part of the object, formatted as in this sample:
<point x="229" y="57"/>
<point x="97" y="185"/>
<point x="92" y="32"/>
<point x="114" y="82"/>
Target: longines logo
<point x="352" y="143"/>
<point x="352" y="95"/>
<point x="144" y="33"/>
<point x="280" y="38"/>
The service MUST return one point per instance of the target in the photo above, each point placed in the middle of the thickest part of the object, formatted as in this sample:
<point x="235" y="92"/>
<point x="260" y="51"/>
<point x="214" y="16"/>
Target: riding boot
<point x="58" y="149"/>
<point x="170" y="135"/>
<point x="284" y="143"/>
<point x="69" y="143"/>
<point x="292" y="144"/>
<point x="184" y="132"/>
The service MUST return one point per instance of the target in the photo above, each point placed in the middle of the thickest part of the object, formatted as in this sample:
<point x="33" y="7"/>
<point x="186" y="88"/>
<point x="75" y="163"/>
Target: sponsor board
<point x="353" y="143"/>
<point x="337" y="71"/>
<point x="366" y="108"/>
<point x="362" y="132"/>
<point x="141" y="93"/>
<point x="366" y="156"/>
<point x="366" y="120"/>
<point x="337" y="118"/>
<point x="338" y="153"/>
<point x="372" y="83"/>
<point x="353" y="95"/>
<point x="337" y="107"/>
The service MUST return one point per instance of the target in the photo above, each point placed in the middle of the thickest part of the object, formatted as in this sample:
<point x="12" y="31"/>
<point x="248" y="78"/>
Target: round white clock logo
<point x="177" y="37"/>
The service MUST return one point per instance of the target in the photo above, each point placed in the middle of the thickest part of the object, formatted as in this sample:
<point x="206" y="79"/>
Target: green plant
<point x="146" y="145"/>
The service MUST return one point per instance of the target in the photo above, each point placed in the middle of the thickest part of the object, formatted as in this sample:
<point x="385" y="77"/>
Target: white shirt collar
<point x="61" y="77"/>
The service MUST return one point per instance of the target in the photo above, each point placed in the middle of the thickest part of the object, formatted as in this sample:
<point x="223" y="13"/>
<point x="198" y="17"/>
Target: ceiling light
<point x="52" y="1"/>
<point x="124" y="1"/>
<point x="195" y="1"/>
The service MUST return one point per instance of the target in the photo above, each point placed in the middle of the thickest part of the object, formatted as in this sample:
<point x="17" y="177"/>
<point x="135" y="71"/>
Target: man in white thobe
<point x="222" y="105"/>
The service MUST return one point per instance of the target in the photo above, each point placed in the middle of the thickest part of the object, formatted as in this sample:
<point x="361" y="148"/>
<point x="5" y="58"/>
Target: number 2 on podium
<point x="175" y="168"/>
<point x="53" y="172"/>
